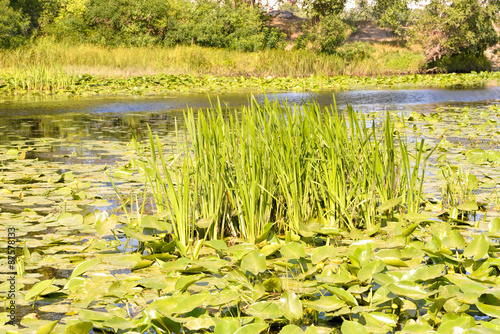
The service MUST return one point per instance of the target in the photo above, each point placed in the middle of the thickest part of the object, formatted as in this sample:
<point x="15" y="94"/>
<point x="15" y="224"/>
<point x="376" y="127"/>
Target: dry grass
<point x="100" y="61"/>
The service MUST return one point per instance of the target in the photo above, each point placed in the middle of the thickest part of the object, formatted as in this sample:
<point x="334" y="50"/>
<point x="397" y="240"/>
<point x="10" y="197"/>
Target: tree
<point x="322" y="8"/>
<point x="13" y="24"/>
<point x="448" y="28"/>
<point x="392" y="14"/>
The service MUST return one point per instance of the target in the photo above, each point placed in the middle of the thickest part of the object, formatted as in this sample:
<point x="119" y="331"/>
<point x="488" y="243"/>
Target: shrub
<point x="332" y="33"/>
<point x="461" y="63"/>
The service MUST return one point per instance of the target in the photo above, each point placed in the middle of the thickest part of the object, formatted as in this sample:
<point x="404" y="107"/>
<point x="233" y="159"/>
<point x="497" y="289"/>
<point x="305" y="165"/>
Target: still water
<point x="78" y="120"/>
<point x="46" y="137"/>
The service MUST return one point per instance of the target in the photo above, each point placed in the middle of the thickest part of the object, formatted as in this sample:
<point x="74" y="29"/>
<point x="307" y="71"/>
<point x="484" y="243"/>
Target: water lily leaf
<point x="185" y="281"/>
<point x="311" y="330"/>
<point x="47" y="328"/>
<point x="123" y="173"/>
<point x="239" y="251"/>
<point x="478" y="247"/>
<point x="265" y="232"/>
<point x="325" y="304"/>
<point x="83" y="327"/>
<point x="118" y="323"/>
<point x="254" y="262"/>
<point x="379" y="319"/>
<point x="409" y="230"/>
<point x="394" y="262"/>
<point x="195" y="324"/>
<point x="418" y="328"/>
<point x="351" y="327"/>
<point x="189" y="303"/>
<point x="389" y="204"/>
<point x="265" y="310"/>
<point x="425" y="273"/>
<point x="104" y="227"/>
<point x="85" y="266"/>
<point x="469" y="206"/>
<point x="320" y="253"/>
<point x="225" y="297"/>
<point x="330" y="231"/>
<point x="292" y="250"/>
<point x="494" y="225"/>
<point x="269" y="250"/>
<point x="344" y="295"/>
<point x="38" y="289"/>
<point x="408" y="289"/>
<point x="458" y="239"/>
<point x="137" y="235"/>
<point x="491" y="310"/>
<point x="291" y="329"/>
<point x="456" y="324"/>
<point x="251" y="329"/>
<point x="291" y="306"/>
<point x="216" y="244"/>
<point x="69" y="219"/>
<point x="367" y="271"/>
<point x="153" y="283"/>
<point x="94" y="316"/>
<point x="273" y="284"/>
<point x="226" y="326"/>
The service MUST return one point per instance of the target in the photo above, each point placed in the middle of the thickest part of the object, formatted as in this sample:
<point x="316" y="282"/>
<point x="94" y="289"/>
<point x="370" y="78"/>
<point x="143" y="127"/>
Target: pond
<point x="56" y="155"/>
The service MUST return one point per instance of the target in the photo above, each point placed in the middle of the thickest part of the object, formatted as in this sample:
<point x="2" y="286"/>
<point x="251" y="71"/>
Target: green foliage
<point x="241" y="28"/>
<point x="362" y="11"/>
<point x="321" y="8"/>
<point x="355" y="51"/>
<point x="457" y="27"/>
<point x="392" y="14"/>
<point x="13" y="25"/>
<point x="332" y="33"/>
<point x="301" y="41"/>
<point x="461" y="63"/>
<point x="157" y="22"/>
<point x="31" y="9"/>
<point x="131" y="22"/>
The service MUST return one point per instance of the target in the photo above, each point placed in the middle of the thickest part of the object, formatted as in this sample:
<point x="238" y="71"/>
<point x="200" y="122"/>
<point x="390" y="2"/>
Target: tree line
<point x="445" y="28"/>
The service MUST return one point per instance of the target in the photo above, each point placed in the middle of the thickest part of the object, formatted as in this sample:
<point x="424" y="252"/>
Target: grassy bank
<point x="57" y="68"/>
<point x="126" y="62"/>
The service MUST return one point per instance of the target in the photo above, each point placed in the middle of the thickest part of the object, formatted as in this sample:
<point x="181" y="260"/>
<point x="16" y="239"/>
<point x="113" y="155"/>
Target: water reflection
<point x="76" y="126"/>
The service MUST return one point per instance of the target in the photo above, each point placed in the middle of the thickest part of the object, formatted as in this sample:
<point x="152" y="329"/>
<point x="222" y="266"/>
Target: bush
<point x="460" y="63"/>
<point x="242" y="28"/>
<point x="355" y="51"/>
<point x="332" y="33"/>
<point x="172" y="22"/>
<point x="13" y="25"/>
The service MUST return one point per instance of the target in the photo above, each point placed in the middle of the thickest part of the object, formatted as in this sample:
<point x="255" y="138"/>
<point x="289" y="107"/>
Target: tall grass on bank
<point x="284" y="166"/>
<point x="125" y="62"/>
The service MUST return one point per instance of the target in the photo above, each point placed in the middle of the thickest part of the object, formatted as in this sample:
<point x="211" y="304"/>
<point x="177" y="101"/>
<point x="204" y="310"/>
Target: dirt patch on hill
<point x="370" y="32"/>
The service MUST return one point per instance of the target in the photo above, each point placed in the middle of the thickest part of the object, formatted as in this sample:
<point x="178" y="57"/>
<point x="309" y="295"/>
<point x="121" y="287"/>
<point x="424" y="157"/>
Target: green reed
<point x="285" y="165"/>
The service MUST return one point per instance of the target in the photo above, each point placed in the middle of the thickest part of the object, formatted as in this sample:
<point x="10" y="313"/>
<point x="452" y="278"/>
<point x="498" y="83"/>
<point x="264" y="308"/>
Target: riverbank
<point x="48" y="67"/>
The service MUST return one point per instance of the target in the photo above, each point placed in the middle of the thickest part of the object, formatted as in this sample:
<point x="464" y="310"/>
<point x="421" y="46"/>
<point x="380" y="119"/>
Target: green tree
<point x="458" y="27"/>
<point x="322" y="8"/>
<point x="392" y="14"/>
<point x="332" y="33"/>
<point x="13" y="25"/>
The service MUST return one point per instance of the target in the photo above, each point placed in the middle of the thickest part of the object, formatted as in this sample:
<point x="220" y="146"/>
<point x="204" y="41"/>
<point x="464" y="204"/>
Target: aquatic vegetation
<point x="417" y="268"/>
<point x="39" y="80"/>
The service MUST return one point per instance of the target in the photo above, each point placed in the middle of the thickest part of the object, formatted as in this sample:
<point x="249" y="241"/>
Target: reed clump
<point x="277" y="168"/>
